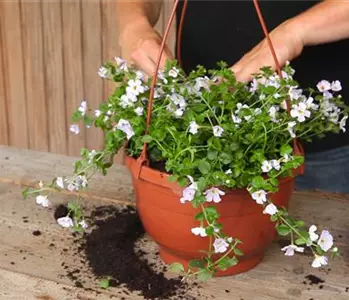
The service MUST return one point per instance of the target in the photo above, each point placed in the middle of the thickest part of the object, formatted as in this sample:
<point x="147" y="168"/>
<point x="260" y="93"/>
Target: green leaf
<point x="197" y="264"/>
<point x="286" y="149"/>
<point x="204" y="167"/>
<point x="25" y="193"/>
<point x="173" y="178"/>
<point x="227" y="262"/>
<point x="258" y="182"/>
<point x="177" y="267"/>
<point x="104" y="283"/>
<point x="147" y="139"/>
<point x="274" y="181"/>
<point x="200" y="216"/>
<point x="212" y="154"/>
<point x="204" y="275"/>
<point x="283" y="229"/>
<point x="300" y="241"/>
<point x="225" y="158"/>
<point x="238" y="252"/>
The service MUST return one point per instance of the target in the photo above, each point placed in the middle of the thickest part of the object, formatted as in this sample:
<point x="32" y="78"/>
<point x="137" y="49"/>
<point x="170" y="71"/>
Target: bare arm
<point x="139" y="42"/>
<point x="325" y="22"/>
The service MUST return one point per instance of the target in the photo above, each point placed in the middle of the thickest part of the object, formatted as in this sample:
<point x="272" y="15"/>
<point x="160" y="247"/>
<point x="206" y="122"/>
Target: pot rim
<point x="160" y="178"/>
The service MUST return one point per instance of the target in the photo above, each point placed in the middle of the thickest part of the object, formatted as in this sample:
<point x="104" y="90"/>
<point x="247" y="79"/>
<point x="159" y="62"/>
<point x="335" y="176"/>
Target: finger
<point x="144" y="62"/>
<point x="153" y="49"/>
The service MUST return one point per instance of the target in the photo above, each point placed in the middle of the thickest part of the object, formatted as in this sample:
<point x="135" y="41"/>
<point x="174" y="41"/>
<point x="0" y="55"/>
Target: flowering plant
<point x="211" y="133"/>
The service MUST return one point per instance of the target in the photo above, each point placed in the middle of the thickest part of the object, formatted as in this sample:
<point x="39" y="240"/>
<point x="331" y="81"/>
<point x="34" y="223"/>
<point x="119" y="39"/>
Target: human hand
<point x="140" y="44"/>
<point x="287" y="42"/>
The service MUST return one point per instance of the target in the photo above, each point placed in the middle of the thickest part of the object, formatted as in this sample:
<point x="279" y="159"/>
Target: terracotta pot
<point x="168" y="222"/>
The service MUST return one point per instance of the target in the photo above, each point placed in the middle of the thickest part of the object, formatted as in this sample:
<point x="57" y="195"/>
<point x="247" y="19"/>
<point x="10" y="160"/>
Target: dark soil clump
<point x="314" y="279"/>
<point x="36" y="232"/>
<point x="110" y="251"/>
<point x="61" y="211"/>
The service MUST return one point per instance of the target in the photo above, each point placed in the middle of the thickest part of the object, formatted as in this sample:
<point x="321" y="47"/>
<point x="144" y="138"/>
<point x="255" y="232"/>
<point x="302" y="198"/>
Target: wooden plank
<point x="277" y="277"/>
<point x="73" y="69"/>
<point x="13" y="66"/>
<point x="92" y="59"/>
<point x="29" y="167"/>
<point x="52" y="31"/>
<point x="33" y="55"/>
<point x="4" y="140"/>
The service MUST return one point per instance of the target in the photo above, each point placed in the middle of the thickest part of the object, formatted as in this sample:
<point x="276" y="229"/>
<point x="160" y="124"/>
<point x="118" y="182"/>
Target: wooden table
<point x="30" y="269"/>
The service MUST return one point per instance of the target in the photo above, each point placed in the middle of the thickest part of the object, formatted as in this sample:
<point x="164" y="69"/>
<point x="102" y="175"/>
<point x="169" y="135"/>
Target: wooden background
<point x="50" y="52"/>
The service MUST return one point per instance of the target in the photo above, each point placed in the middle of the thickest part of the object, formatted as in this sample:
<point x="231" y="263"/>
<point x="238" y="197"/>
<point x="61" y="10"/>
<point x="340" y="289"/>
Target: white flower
<point x="342" y="123"/>
<point x="65" y="222"/>
<point x="259" y="196"/>
<point x="257" y="111"/>
<point x="103" y="72"/>
<point x="283" y="105"/>
<point x="189" y="191"/>
<point x="161" y="76"/>
<point x="121" y="63"/>
<point x="285" y="158"/>
<point x="336" y="86"/>
<point x="325" y="241"/>
<point x="270" y="209"/>
<point x="97" y="113"/>
<point x="60" y="182"/>
<point x="178" y="112"/>
<point x="266" y="166"/>
<point x="43" y="201"/>
<point x="290" y="126"/>
<point x="199" y="231"/>
<point x="319" y="261"/>
<point x="74" y="128"/>
<point x="91" y="155"/>
<point x="127" y="101"/>
<point x="158" y="93"/>
<point x="229" y="239"/>
<point x="294" y="93"/>
<point x="126" y="127"/>
<point x="139" y="75"/>
<point x="327" y="95"/>
<point x="254" y="85"/>
<point x="277" y="95"/>
<point x="275" y="164"/>
<point x="273" y="112"/>
<point x="228" y="172"/>
<point x="300" y="111"/>
<point x="217" y="131"/>
<point x="323" y="86"/>
<point x="202" y="82"/>
<point x="213" y="194"/>
<point x="310" y="105"/>
<point x="290" y="249"/>
<point x="236" y="119"/>
<point x="173" y="72"/>
<point x="188" y="194"/>
<point x="41" y="184"/>
<point x="193" y="127"/>
<point x="220" y="245"/>
<point x="178" y="100"/>
<point x="83" y="224"/>
<point x="83" y="108"/>
<point x="139" y="110"/>
<point x="312" y="235"/>
<point x="134" y="87"/>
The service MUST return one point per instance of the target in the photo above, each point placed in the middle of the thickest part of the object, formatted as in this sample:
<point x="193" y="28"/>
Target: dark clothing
<point x="225" y="30"/>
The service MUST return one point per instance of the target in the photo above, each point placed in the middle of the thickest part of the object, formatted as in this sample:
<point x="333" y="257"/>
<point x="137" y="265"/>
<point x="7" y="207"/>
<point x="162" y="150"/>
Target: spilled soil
<point x="109" y="249"/>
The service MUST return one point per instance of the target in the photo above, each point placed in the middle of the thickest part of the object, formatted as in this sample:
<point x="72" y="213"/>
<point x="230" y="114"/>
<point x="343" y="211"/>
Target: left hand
<point x="287" y="43"/>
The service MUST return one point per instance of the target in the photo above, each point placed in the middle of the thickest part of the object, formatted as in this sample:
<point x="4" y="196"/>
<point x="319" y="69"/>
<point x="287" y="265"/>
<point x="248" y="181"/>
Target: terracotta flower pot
<point x="169" y="222"/>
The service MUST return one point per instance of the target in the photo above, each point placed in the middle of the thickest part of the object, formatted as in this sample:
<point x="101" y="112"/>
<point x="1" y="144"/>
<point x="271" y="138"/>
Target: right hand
<point x="140" y="44"/>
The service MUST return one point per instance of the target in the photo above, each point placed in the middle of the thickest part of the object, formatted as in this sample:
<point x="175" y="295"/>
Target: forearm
<point x="131" y="12"/>
<point x="326" y="22"/>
